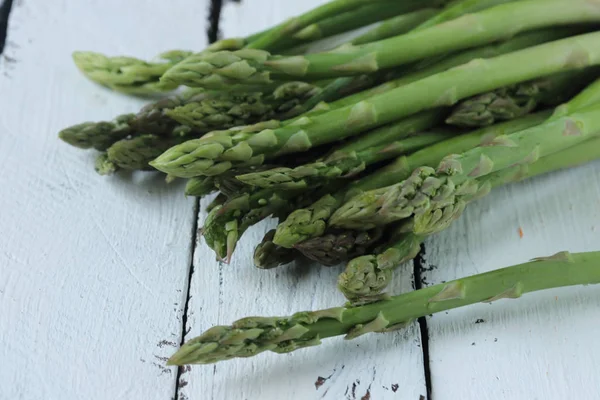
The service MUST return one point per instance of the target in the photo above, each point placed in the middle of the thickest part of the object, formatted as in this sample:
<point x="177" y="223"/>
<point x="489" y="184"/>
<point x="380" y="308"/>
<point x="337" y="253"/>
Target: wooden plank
<point x="93" y="269"/>
<point x="383" y="366"/>
<point x="541" y="346"/>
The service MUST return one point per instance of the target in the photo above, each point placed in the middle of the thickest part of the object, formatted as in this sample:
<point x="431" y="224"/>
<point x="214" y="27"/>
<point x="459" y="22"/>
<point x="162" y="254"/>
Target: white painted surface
<point x="93" y="270"/>
<point x="544" y="345"/>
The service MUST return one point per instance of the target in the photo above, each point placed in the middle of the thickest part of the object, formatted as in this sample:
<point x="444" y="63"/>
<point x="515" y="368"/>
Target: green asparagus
<point x="339" y="246"/>
<point x="129" y="75"/>
<point x="311" y="222"/>
<point x="220" y="69"/>
<point x="231" y="109"/>
<point x="517" y="100"/>
<point x="250" y="336"/>
<point x="273" y="37"/>
<point x="98" y="135"/>
<point x="368" y="276"/>
<point x="221" y="151"/>
<point x="457" y="175"/>
<point x="268" y="255"/>
<point x="380" y="144"/>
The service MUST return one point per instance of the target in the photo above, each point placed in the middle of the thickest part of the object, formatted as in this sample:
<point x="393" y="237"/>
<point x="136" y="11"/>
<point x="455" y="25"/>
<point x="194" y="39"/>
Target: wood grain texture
<point x="542" y="346"/>
<point x="93" y="269"/>
<point x="369" y="366"/>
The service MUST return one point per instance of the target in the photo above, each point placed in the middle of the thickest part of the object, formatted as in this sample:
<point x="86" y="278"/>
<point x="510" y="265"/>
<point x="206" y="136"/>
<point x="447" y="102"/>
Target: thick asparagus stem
<point x="311" y="222"/>
<point x="436" y="65"/>
<point x="258" y="67"/>
<point x="428" y="189"/>
<point x="250" y="336"/>
<point x="218" y="152"/>
<point x="368" y="276"/>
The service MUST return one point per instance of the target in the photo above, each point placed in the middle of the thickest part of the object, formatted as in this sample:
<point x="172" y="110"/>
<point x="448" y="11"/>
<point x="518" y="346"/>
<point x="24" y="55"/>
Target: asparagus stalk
<point x="517" y="100"/>
<point x="259" y="67"/>
<point x="200" y="186"/>
<point x="267" y="255"/>
<point x="151" y="119"/>
<point x="98" y="135"/>
<point x="456" y="175"/>
<point x="368" y="276"/>
<point x="230" y="109"/>
<point x="250" y="336"/>
<point x="311" y="222"/>
<point x="459" y="8"/>
<point x="394" y="26"/>
<point x="221" y="151"/>
<point x="127" y="74"/>
<point x="135" y="153"/>
<point x="225" y="225"/>
<point x="273" y="37"/>
<point x="380" y="144"/>
<point x="436" y="65"/>
<point x="366" y="15"/>
<point x="339" y="246"/>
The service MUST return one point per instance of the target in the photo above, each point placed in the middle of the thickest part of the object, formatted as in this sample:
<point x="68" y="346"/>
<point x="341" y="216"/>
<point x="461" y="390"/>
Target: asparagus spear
<point x="225" y="225"/>
<point x="150" y="119"/>
<point x="273" y="37"/>
<point x="459" y="8"/>
<point x="250" y="336"/>
<point x="98" y="135"/>
<point x="311" y="222"/>
<point x="368" y="276"/>
<point x="436" y="65"/>
<point x="200" y="186"/>
<point x="136" y="152"/>
<point x="127" y="74"/>
<point x="221" y="151"/>
<point x="230" y="109"/>
<point x="267" y="255"/>
<point x="339" y="246"/>
<point x="363" y="16"/>
<point x="405" y="23"/>
<point x="517" y="100"/>
<point x="456" y="175"/>
<point x="394" y="26"/>
<point x="217" y="70"/>
<point x="380" y="144"/>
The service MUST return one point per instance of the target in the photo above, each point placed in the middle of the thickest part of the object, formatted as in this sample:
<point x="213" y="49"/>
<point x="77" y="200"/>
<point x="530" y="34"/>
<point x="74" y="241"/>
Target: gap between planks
<point x="5" y="7"/>
<point x="419" y="262"/>
<point x="214" y="17"/>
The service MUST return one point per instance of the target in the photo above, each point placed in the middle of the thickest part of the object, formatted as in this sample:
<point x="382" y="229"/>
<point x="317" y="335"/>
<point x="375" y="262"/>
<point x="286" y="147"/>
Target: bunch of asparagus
<point x="365" y="149"/>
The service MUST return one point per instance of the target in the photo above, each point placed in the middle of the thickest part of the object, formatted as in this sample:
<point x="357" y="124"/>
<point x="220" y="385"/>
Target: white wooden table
<point x="101" y="278"/>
